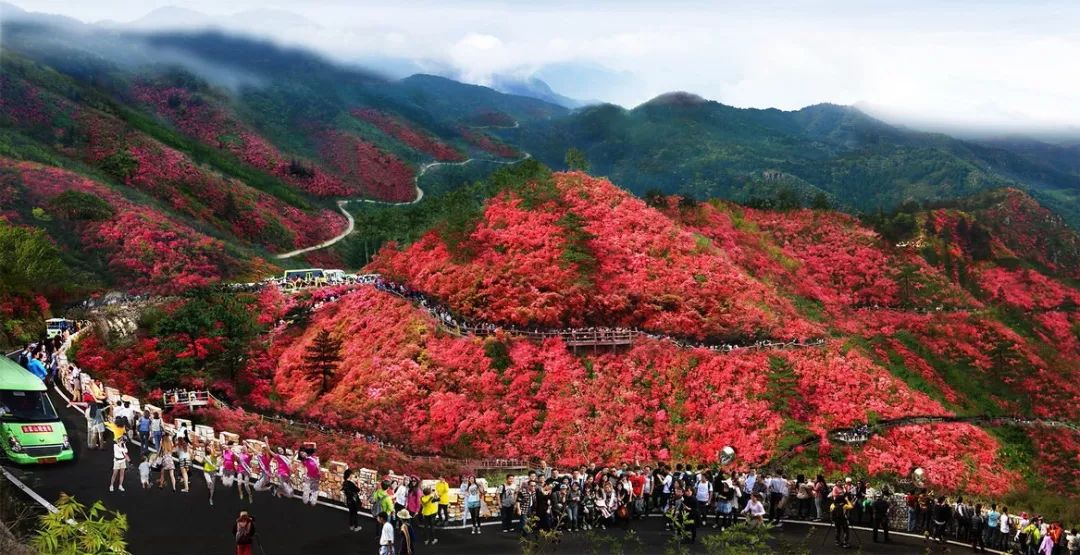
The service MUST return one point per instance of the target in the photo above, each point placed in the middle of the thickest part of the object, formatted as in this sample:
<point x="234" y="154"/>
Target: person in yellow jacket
<point x="442" y="491"/>
<point x="429" y="507"/>
<point x="211" y="464"/>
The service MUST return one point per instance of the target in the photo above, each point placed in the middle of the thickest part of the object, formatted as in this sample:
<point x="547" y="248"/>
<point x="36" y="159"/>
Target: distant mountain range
<point x="676" y="143"/>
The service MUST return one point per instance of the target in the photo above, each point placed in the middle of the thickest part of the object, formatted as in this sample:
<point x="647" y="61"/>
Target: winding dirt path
<point x="419" y="196"/>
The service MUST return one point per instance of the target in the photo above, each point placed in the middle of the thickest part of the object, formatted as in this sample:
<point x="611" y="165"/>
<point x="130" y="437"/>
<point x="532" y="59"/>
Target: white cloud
<point x="986" y="62"/>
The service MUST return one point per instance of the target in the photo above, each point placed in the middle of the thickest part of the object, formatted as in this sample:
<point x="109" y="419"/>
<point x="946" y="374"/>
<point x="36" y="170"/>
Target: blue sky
<point x="989" y="64"/>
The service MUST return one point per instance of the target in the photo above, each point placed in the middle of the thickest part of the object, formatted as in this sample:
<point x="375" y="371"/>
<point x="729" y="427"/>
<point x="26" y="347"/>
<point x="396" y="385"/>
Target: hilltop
<point x="950" y="320"/>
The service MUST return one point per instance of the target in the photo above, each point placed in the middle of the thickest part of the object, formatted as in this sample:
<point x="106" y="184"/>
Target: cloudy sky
<point x="987" y="63"/>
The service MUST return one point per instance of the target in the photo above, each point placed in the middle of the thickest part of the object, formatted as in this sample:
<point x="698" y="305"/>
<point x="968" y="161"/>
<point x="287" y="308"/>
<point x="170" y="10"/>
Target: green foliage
<point x="576" y="249"/>
<point x="28" y="259"/>
<point x="575" y="160"/>
<point x="539" y="541"/>
<point x="77" y="205"/>
<point x="321" y="358"/>
<point x="76" y="530"/>
<point x="207" y="336"/>
<point x="741" y="539"/>
<point x="452" y="214"/>
<point x="120" y="165"/>
<point x="498" y="353"/>
<point x="40" y="214"/>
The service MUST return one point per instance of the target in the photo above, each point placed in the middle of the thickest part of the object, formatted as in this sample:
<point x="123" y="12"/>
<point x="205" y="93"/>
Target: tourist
<point x="573" y="505"/>
<point x="820" y="491"/>
<point x="463" y="492"/>
<point x="525" y="497"/>
<point x="472" y="504"/>
<point x="183" y="456"/>
<point x="143" y="428"/>
<point x="429" y="508"/>
<point x="942" y="513"/>
<point x="442" y="491"/>
<point x="144" y="472"/>
<point x="408" y="535"/>
<point x="283" y="474"/>
<point x="990" y="531"/>
<point x="703" y="494"/>
<point x="156" y="430"/>
<point x="879" y="510"/>
<point x="95" y="434"/>
<point x="978" y="527"/>
<point x="386" y="537"/>
<point x="754" y="510"/>
<point x="263" y="462"/>
<point x="414" y="497"/>
<point x="244" y="533"/>
<point x="693" y="516"/>
<point x="165" y="455"/>
<point x="1005" y="529"/>
<point x="507" y="495"/>
<point x="244" y="471"/>
<point x="351" y="492"/>
<point x="211" y="466"/>
<point x="120" y="462"/>
<point x="228" y="466"/>
<point x="312" y="474"/>
<point x="841" y="503"/>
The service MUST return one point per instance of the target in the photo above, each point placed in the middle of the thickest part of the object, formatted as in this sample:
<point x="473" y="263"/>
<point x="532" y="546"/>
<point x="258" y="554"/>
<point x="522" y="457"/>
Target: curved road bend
<point x="419" y="196"/>
<point x="164" y="522"/>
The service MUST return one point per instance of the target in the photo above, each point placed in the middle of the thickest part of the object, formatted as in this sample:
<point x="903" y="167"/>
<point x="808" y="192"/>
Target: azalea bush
<point x="415" y="139"/>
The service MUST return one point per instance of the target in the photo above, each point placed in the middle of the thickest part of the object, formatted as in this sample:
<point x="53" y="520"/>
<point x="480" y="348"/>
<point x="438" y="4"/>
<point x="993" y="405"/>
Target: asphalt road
<point x="163" y="522"/>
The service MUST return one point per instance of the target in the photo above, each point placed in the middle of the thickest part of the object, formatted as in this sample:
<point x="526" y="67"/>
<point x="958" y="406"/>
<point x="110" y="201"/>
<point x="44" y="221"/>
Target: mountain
<point x="963" y="311"/>
<point x="703" y="149"/>
<point x="534" y="88"/>
<point x="215" y="152"/>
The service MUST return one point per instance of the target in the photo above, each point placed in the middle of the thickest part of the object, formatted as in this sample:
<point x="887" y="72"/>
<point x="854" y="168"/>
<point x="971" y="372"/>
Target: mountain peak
<point x="676" y="98"/>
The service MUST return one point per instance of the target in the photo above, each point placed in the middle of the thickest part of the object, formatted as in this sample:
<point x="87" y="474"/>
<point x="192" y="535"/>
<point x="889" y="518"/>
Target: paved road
<point x="164" y="522"/>
<point x="419" y="196"/>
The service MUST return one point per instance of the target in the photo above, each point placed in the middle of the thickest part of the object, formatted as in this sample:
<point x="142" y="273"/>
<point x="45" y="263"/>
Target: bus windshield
<point x="26" y="406"/>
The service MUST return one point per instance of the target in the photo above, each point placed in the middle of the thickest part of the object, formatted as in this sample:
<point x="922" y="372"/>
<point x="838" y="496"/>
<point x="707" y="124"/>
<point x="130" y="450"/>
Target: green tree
<point x="75" y="530"/>
<point x="120" y="165"/>
<point x="575" y="160"/>
<point x="77" y="205"/>
<point x="28" y="259"/>
<point x="322" y="358"/>
<point x="207" y="313"/>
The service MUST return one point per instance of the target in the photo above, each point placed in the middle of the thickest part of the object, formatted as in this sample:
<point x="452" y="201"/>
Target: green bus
<point x="30" y="429"/>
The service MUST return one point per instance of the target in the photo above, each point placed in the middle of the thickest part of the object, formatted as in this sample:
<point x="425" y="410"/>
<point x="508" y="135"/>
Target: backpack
<point x="243" y="532"/>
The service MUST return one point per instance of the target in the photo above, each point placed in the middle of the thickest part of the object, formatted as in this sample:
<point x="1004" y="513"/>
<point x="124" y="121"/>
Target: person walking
<point x="880" y="515"/>
<point x="407" y="545"/>
<point x="244" y="533"/>
<point x="120" y="462"/>
<point x="156" y="430"/>
<point x="244" y="471"/>
<point x="183" y="456"/>
<point x="144" y="472"/>
<point x="165" y="455"/>
<point x="210" y="467"/>
<point x="386" y="535"/>
<point x="143" y="428"/>
<point x="351" y="492"/>
<point x="312" y="474"/>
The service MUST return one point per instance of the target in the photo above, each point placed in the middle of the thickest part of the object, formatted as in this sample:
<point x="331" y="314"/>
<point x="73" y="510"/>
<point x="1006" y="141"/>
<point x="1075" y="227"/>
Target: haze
<point x="964" y="67"/>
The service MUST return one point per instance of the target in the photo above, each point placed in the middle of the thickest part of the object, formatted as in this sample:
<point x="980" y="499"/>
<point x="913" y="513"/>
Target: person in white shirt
<point x="386" y="539"/>
<point x="703" y="495"/>
<point x="120" y="460"/>
<point x="754" y="511"/>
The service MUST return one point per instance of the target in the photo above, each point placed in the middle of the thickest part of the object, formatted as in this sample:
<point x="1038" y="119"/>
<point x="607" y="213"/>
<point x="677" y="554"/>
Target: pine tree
<point x="322" y="358"/>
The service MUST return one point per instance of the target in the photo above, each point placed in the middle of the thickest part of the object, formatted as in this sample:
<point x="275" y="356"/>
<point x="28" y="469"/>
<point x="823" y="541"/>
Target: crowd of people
<point x="42" y="357"/>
